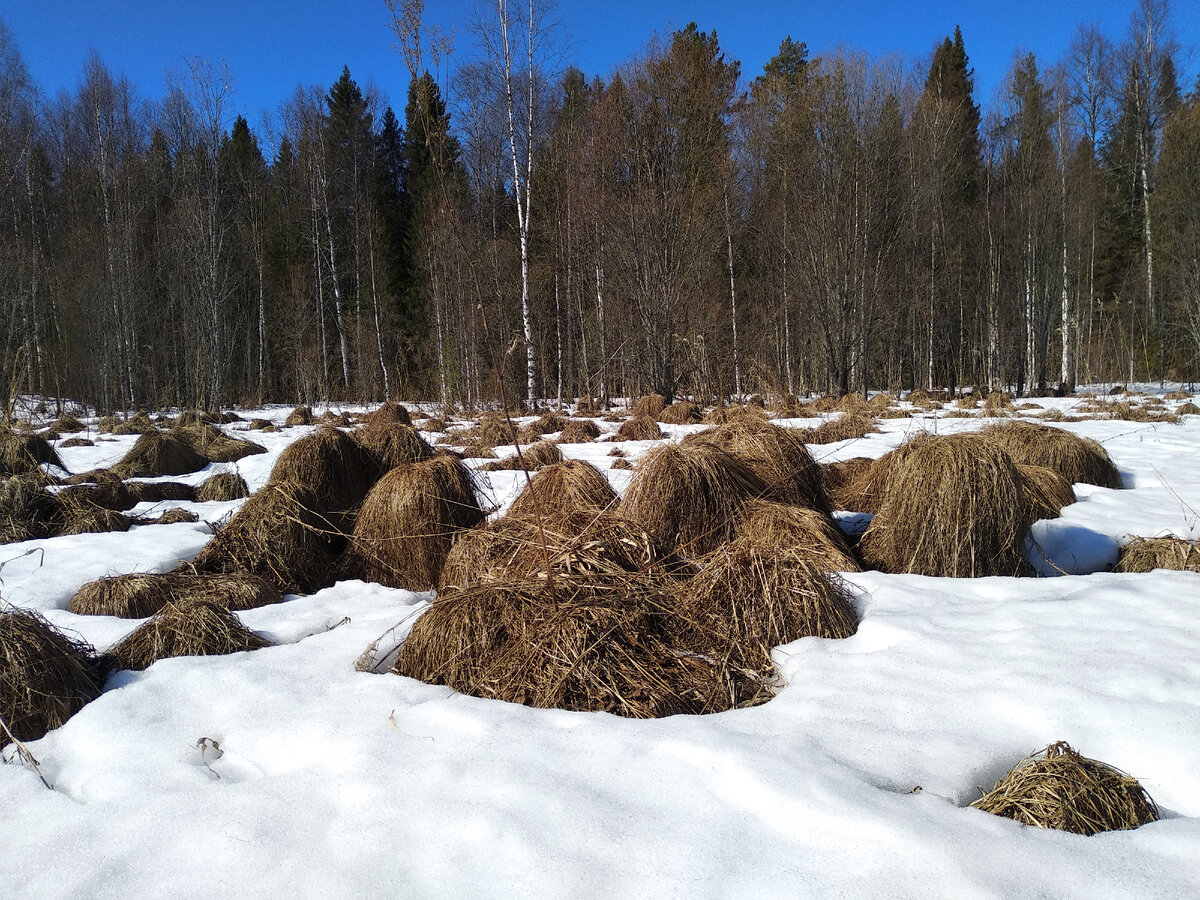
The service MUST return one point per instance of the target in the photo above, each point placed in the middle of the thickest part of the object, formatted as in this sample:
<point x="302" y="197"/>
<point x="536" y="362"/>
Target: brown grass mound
<point x="880" y="402"/>
<point x="66" y="424"/>
<point x="391" y="444"/>
<point x="22" y="453"/>
<point x="215" y="445"/>
<point x="259" y="424"/>
<point x="724" y="415"/>
<point x="388" y="413"/>
<point x="690" y="495"/>
<point x="749" y="597"/>
<point x="531" y="458"/>
<point x="156" y="454"/>
<point x="336" y="469"/>
<point x="280" y="535"/>
<point x="855" y="404"/>
<point x="777" y="455"/>
<point x="136" y="425"/>
<point x="544" y="424"/>
<point x="563" y="487"/>
<point x="839" y="477"/>
<point x="579" y="431"/>
<point x="1174" y="395"/>
<point x="1077" y="459"/>
<point x="140" y="595"/>
<point x="92" y="520"/>
<point x="1060" y="788"/>
<point x="27" y="510"/>
<point x="495" y="431"/>
<point x="222" y="486"/>
<point x="846" y="427"/>
<point x="45" y="676"/>
<point x="172" y="517"/>
<point x="77" y="442"/>
<point x="650" y="406"/>
<point x="157" y="491"/>
<point x="952" y="506"/>
<point x="997" y="403"/>
<point x="195" y="626"/>
<point x="408" y="523"/>
<point x="681" y="412"/>
<point x="301" y="415"/>
<point x="796" y="529"/>
<point x="1187" y="409"/>
<point x="570" y="645"/>
<point x="1047" y="491"/>
<point x="622" y="464"/>
<point x="1147" y="554"/>
<point x="639" y="428"/>
<point x="604" y="546"/>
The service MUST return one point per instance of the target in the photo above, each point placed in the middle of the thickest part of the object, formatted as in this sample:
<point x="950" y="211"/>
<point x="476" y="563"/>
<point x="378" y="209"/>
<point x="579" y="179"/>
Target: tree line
<point x="834" y="223"/>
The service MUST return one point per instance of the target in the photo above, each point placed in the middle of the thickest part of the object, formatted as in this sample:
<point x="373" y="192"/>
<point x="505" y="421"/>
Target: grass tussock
<point x="725" y="415"/>
<point x="336" y="469"/>
<point x="77" y="442"/>
<point x="222" y="486"/>
<point x="847" y="427"/>
<point x="787" y="528"/>
<point x="172" y="517"/>
<point x="690" y="495"/>
<point x="157" y="453"/>
<point x="681" y="412"/>
<point x="408" y="523"/>
<point x="650" y="406"/>
<point x="579" y="431"/>
<point x="1047" y="491"/>
<point x="140" y="595"/>
<point x="301" y="415"/>
<point x="639" y="428"/>
<point x="1077" y="459"/>
<point x="841" y="478"/>
<point x="1060" y="788"/>
<point x="749" y="597"/>
<point x="45" y="676"/>
<point x="389" y="413"/>
<point x="190" y="627"/>
<point x="391" y="443"/>
<point x="24" y="453"/>
<point x="777" y="455"/>
<point x="564" y="486"/>
<point x="1187" y="409"/>
<point x="280" y="535"/>
<point x="1147" y="554"/>
<point x="157" y="491"/>
<point x="215" y="445"/>
<point x="531" y="458"/>
<point x="953" y="506"/>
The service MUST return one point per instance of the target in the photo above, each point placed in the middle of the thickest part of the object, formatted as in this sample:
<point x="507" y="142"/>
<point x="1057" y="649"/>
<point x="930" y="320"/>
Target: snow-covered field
<point x="332" y="782"/>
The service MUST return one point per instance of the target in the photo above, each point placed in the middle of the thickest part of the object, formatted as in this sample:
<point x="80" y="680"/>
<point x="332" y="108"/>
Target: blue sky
<point x="273" y="47"/>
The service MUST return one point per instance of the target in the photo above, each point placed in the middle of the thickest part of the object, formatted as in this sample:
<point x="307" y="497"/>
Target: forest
<point x="837" y="222"/>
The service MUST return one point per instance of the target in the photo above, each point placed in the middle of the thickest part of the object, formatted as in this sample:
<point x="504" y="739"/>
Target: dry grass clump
<point x="391" y="444"/>
<point x="845" y="480"/>
<point x="301" y="415"/>
<point x="724" y="415"/>
<point x="173" y="517"/>
<point x="27" y="510"/>
<point x="570" y="643"/>
<point x="1147" y="554"/>
<point x="826" y="403"/>
<point x="140" y="595"/>
<point x="22" y="453"/>
<point x="408" y="523"/>
<point x="848" y="426"/>
<point x="689" y="496"/>
<point x="222" y="486"/>
<point x="495" y="431"/>
<point x="650" y="406"/>
<point x="579" y="431"/>
<point x="215" y="445"/>
<point x="1060" y="788"/>
<point x="152" y="492"/>
<point x="639" y="428"/>
<point x="749" y="597"/>
<point x="193" y="626"/>
<point x="622" y="464"/>
<point x="45" y="676"/>
<point x="335" y="468"/>
<point x="1047" y="491"/>
<point x="532" y="457"/>
<point x="880" y="402"/>
<point x="1187" y="409"/>
<point x="434" y="424"/>
<point x="563" y="487"/>
<point x="280" y="535"/>
<point x="601" y="545"/>
<point x="77" y="442"/>
<point x="681" y="412"/>
<point x="1077" y="459"/>
<point x="544" y="424"/>
<point x="65" y="424"/>
<point x="855" y="404"/>
<point x="997" y="403"/>
<point x="790" y="528"/>
<point x="1174" y="395"/>
<point x="139" y="424"/>
<point x="156" y="454"/>
<point x="92" y="520"/>
<point x="259" y="425"/>
<point x="777" y="455"/>
<point x="388" y="413"/>
<point x="953" y="506"/>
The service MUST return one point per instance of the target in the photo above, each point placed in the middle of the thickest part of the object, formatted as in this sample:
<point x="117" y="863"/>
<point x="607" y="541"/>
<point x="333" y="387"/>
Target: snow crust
<point x="286" y="772"/>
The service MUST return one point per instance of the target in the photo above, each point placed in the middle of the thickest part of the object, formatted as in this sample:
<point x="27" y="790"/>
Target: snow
<point x="285" y="771"/>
